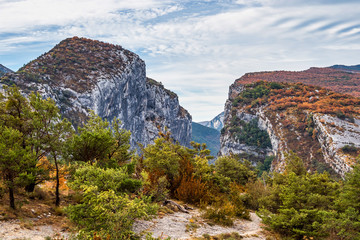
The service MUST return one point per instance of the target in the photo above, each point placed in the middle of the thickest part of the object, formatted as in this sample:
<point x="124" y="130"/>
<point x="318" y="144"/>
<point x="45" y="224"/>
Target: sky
<point x="197" y="49"/>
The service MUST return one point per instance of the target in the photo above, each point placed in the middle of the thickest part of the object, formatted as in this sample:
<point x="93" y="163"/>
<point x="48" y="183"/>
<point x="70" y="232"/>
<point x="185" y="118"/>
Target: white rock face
<point x="124" y="93"/>
<point x="331" y="134"/>
<point x="216" y="123"/>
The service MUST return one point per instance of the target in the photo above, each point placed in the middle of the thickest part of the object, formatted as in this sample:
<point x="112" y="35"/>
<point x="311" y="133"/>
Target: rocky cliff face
<point x="216" y="123"/>
<point x="83" y="75"/>
<point x="321" y="126"/>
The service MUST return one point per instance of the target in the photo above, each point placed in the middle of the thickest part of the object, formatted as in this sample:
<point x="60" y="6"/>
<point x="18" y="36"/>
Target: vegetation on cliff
<point x="338" y="80"/>
<point x="74" y="63"/>
<point x="290" y="109"/>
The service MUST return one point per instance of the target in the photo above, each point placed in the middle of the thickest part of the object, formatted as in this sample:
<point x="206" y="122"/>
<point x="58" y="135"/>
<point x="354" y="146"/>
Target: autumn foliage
<point x="299" y="96"/>
<point x="191" y="189"/>
<point x="332" y="79"/>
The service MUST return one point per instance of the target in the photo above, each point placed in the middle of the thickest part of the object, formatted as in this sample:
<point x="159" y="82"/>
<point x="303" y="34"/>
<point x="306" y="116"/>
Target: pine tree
<point x="15" y="160"/>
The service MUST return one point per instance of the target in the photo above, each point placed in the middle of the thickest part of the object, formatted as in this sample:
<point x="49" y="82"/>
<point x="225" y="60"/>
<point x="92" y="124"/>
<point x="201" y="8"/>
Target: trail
<point x="184" y="226"/>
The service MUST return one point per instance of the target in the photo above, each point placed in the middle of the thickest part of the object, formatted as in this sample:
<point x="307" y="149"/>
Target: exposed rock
<point x="317" y="138"/>
<point x="83" y="75"/>
<point x="178" y="226"/>
<point x="216" y="123"/>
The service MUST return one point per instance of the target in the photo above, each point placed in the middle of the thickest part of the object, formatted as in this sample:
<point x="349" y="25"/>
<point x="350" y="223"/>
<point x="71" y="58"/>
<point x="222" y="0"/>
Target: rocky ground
<point x="16" y="229"/>
<point x="176" y="225"/>
<point x="181" y="225"/>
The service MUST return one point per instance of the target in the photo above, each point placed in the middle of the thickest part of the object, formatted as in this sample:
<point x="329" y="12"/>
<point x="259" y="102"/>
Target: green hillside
<point x="210" y="136"/>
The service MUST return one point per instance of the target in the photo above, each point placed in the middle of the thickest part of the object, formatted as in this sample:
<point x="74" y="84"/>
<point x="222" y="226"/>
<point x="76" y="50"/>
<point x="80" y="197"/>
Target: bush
<point x="238" y="171"/>
<point x="221" y="212"/>
<point x="256" y="191"/>
<point x="192" y="190"/>
<point x="105" y="208"/>
<point x="349" y="149"/>
<point x="39" y="193"/>
<point x="105" y="179"/>
<point x="155" y="185"/>
<point x="252" y="135"/>
<point x="107" y="213"/>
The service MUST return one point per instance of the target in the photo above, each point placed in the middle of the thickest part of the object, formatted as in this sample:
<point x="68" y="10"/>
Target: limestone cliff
<point x="83" y="75"/>
<point x="321" y="126"/>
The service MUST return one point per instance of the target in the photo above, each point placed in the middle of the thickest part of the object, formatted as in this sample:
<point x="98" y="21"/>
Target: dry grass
<point x="35" y="209"/>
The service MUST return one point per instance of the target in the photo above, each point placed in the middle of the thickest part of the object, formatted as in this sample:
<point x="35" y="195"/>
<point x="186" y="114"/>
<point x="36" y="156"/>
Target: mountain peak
<point x="4" y="70"/>
<point x="76" y="62"/>
<point x="81" y="74"/>
<point x="216" y="123"/>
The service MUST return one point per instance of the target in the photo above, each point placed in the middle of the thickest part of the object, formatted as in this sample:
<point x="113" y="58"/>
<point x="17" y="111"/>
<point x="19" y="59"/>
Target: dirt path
<point x="177" y="225"/>
<point x="13" y="229"/>
<point x="183" y="226"/>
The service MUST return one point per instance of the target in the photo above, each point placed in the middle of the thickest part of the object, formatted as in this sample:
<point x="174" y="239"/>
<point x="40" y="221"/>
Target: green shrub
<point x="237" y="170"/>
<point x="107" y="213"/>
<point x="252" y="135"/>
<point x="105" y="179"/>
<point x="349" y="149"/>
<point x="221" y="213"/>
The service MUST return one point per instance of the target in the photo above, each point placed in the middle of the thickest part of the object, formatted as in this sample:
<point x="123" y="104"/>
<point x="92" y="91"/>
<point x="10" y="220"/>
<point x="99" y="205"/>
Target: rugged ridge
<point x="321" y="126"/>
<point x="354" y="68"/>
<point x="338" y="80"/>
<point x="4" y="70"/>
<point x="216" y="123"/>
<point x="82" y="75"/>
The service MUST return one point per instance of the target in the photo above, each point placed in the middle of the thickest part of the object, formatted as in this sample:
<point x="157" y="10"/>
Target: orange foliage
<point x="332" y="79"/>
<point x="44" y="163"/>
<point x="190" y="189"/>
<point x="308" y="98"/>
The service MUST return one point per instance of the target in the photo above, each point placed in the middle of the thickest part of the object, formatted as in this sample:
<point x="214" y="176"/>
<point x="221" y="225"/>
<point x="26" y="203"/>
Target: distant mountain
<point x="4" y="70"/>
<point x="210" y="136"/>
<point x="81" y="74"/>
<point x="355" y="68"/>
<point x="337" y="80"/>
<point x="216" y="123"/>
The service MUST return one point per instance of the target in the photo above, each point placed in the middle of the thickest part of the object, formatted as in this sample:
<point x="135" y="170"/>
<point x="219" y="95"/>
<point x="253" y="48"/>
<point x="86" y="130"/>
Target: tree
<point x="238" y="171"/>
<point x="347" y="223"/>
<point x="300" y="203"/>
<point x="50" y="133"/>
<point x="41" y="129"/>
<point x="17" y="113"/>
<point x="100" y="142"/>
<point x="15" y="160"/>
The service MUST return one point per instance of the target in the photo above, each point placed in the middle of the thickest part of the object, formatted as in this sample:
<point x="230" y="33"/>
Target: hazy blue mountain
<point x="4" y="70"/>
<point x="347" y="68"/>
<point x="210" y="136"/>
<point x="216" y="123"/>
